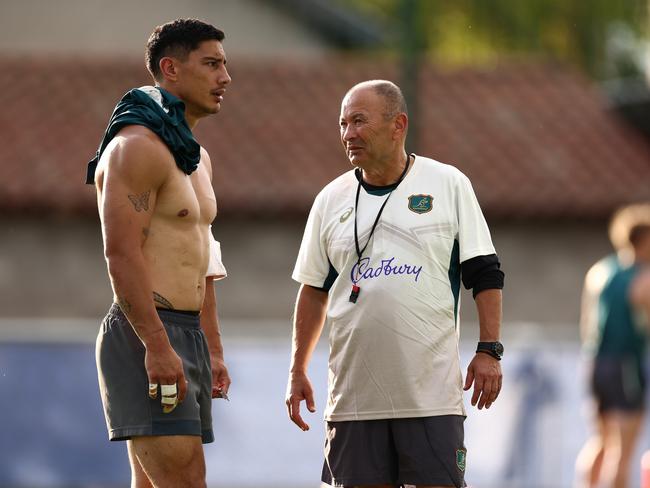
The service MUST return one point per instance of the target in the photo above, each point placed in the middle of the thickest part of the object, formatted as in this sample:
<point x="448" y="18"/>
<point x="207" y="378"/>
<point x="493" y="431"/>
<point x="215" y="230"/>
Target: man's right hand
<point x="164" y="367"/>
<point x="299" y="389"/>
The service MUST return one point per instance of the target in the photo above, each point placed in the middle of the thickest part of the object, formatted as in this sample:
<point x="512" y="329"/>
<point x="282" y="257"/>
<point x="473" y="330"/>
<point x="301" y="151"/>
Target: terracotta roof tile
<point x="537" y="140"/>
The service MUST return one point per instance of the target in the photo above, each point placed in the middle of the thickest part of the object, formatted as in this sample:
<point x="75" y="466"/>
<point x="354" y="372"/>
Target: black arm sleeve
<point x="482" y="273"/>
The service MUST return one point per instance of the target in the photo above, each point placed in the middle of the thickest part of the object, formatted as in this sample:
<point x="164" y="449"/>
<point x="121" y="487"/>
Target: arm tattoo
<point x="124" y="305"/>
<point x="162" y="300"/>
<point x="140" y="202"/>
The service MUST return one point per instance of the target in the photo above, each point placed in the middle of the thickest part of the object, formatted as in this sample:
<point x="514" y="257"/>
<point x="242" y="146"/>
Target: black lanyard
<point x="355" y="288"/>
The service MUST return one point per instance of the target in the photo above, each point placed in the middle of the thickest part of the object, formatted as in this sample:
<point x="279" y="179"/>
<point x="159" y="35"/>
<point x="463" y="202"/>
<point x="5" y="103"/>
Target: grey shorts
<point x="123" y="382"/>
<point x="618" y="383"/>
<point x="411" y="451"/>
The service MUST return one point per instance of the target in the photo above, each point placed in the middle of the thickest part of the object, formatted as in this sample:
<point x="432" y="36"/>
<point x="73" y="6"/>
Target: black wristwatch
<point x="494" y="349"/>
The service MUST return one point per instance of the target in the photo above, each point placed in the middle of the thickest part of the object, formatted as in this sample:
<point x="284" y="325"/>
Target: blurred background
<point x="544" y="104"/>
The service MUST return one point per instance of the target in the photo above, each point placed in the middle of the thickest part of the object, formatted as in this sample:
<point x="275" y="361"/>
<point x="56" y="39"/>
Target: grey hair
<point x="392" y="94"/>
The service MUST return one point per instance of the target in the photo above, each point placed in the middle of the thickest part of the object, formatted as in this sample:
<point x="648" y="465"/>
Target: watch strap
<point x="494" y="349"/>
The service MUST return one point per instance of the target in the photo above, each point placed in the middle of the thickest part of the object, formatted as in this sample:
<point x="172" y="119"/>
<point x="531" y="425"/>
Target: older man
<point x="381" y="262"/>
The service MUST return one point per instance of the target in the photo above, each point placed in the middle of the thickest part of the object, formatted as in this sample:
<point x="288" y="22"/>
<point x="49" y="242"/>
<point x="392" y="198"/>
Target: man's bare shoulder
<point x="137" y="151"/>
<point x="205" y="161"/>
<point x="204" y="155"/>
<point x="137" y="140"/>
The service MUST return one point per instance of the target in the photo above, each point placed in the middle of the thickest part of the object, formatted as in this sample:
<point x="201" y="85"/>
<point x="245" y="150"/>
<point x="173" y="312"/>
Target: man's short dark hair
<point x="177" y="38"/>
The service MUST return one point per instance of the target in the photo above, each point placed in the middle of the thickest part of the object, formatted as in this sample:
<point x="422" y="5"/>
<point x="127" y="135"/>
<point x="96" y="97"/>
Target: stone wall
<point x="54" y="268"/>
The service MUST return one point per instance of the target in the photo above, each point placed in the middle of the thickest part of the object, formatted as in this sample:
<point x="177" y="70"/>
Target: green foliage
<point x="484" y="31"/>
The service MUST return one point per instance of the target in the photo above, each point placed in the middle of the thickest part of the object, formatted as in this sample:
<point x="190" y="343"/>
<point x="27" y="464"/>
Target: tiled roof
<point x="537" y="140"/>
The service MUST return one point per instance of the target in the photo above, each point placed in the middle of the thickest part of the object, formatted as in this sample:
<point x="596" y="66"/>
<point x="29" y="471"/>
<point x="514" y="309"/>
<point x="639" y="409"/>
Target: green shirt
<point x="619" y="332"/>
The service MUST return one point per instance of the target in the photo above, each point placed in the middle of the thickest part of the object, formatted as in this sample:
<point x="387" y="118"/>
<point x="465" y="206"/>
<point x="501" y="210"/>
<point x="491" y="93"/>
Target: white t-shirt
<point x="216" y="269"/>
<point x="394" y="353"/>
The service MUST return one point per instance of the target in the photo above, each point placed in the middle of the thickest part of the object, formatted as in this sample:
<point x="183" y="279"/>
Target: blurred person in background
<point x="159" y="352"/>
<point x="381" y="261"/>
<point x="614" y="329"/>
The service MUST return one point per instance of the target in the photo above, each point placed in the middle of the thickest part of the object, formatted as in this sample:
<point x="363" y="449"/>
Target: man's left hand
<point x="485" y="372"/>
<point x="220" y="378"/>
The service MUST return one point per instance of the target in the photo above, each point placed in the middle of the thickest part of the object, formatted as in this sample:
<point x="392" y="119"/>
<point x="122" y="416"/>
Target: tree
<point x="479" y="31"/>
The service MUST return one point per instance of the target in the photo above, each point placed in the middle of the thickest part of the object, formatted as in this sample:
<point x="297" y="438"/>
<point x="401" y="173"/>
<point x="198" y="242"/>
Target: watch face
<point x="498" y="348"/>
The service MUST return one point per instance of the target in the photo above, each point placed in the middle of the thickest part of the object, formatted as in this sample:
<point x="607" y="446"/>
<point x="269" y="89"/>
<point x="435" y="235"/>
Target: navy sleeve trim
<point x="331" y="278"/>
<point x="317" y="288"/>
<point x="482" y="273"/>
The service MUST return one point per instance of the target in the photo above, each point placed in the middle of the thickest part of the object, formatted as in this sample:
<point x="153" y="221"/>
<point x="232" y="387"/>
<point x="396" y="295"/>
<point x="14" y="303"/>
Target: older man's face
<point x="366" y="135"/>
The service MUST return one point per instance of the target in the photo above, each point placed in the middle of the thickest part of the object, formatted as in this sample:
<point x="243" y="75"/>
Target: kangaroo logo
<point x="420" y="203"/>
<point x="461" y="458"/>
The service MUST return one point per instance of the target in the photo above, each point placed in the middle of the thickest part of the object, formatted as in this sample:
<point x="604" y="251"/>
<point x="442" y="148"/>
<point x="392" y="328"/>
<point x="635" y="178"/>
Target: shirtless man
<point x="159" y="353"/>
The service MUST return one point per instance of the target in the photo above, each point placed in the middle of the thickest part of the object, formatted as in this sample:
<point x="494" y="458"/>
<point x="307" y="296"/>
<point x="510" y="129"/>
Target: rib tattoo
<point x="140" y="202"/>
<point x="124" y="305"/>
<point x="162" y="300"/>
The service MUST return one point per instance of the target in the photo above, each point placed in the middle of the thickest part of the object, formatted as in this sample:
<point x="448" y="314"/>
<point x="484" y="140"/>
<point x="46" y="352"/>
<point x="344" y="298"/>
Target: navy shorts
<point x="411" y="451"/>
<point x="618" y="383"/>
<point x="123" y="381"/>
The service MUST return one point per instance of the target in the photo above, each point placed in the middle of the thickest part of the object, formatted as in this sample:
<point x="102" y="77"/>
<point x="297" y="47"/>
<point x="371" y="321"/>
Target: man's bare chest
<point x="187" y="198"/>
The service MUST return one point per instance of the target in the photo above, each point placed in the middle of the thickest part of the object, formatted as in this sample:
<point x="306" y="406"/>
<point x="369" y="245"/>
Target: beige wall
<point x="254" y="28"/>
<point x="55" y="269"/>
